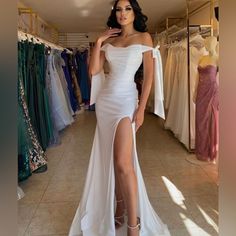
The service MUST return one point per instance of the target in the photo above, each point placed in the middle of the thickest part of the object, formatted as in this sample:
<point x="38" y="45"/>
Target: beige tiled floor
<point x="184" y="195"/>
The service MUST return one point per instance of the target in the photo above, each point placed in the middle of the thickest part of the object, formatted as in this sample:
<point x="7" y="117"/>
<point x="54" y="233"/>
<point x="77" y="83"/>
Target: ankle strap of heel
<point x="138" y="226"/>
<point x="134" y="227"/>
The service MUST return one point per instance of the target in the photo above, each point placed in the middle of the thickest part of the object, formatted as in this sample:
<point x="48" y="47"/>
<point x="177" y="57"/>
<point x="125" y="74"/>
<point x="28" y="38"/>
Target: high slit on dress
<point x="116" y="98"/>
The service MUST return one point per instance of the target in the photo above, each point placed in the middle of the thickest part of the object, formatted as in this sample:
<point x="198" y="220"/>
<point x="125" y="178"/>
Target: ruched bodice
<point x="207" y="86"/>
<point x="122" y="62"/>
<point x="207" y="74"/>
<point x="123" y="66"/>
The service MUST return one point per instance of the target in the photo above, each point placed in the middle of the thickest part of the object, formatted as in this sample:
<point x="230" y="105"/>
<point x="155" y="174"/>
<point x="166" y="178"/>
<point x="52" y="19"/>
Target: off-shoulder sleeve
<point x="97" y="82"/>
<point x="145" y="48"/>
<point x="158" y="81"/>
<point x="96" y="86"/>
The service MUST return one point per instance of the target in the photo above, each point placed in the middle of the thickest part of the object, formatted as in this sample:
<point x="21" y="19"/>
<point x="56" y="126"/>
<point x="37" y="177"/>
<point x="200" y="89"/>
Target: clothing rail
<point x="180" y="34"/>
<point x="166" y="24"/>
<point x="186" y="32"/>
<point x="35" y="39"/>
<point x="201" y="29"/>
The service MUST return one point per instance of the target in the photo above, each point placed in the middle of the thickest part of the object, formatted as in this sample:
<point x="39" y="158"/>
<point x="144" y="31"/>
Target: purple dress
<point x="207" y="109"/>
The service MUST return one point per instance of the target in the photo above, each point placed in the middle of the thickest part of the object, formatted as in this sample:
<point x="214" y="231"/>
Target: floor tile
<point x="25" y="213"/>
<point x="184" y="195"/>
<point x="52" y="218"/>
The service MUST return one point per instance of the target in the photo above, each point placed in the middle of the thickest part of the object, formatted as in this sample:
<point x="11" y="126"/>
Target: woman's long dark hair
<point x="139" y="21"/>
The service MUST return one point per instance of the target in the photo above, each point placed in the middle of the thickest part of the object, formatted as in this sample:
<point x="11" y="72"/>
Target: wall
<point x="202" y="17"/>
<point x="77" y="40"/>
<point x="39" y="26"/>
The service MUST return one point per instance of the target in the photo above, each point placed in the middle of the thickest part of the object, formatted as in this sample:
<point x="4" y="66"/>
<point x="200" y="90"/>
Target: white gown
<point x="60" y="110"/>
<point x="115" y="99"/>
<point x="176" y="101"/>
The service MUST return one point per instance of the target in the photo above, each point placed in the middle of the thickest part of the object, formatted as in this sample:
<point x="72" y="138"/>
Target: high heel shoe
<point x="119" y="220"/>
<point x="136" y="227"/>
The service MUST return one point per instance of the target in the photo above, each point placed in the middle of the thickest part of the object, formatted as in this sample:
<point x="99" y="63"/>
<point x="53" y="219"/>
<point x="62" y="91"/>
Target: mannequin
<point x="212" y="58"/>
<point x="207" y="104"/>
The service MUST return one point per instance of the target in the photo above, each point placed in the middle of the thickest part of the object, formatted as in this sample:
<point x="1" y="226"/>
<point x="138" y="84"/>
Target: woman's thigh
<point x="123" y="142"/>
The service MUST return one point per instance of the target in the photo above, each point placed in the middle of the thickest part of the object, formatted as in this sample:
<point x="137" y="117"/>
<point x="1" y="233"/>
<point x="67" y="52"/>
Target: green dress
<point x="30" y="153"/>
<point x="36" y="92"/>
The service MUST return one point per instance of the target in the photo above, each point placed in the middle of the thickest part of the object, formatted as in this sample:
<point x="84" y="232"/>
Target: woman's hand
<point x="138" y="118"/>
<point x="108" y="34"/>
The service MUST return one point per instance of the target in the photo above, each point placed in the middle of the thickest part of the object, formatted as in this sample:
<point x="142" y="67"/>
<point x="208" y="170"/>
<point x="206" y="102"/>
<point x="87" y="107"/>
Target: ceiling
<point x="91" y="15"/>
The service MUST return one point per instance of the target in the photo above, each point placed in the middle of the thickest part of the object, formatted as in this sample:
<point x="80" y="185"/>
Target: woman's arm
<point x="98" y="57"/>
<point x="148" y="67"/>
<point x="148" y="74"/>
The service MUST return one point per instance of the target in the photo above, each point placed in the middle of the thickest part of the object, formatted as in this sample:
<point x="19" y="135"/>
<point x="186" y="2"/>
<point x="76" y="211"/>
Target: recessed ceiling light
<point x="84" y="12"/>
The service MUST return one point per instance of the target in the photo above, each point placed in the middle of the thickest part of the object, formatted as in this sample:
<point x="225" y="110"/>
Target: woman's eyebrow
<point x="125" y="6"/>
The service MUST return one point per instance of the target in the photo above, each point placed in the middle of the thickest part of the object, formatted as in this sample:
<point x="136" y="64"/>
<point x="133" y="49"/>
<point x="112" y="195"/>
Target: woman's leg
<point x="124" y="169"/>
<point x="120" y="206"/>
<point x="119" y="195"/>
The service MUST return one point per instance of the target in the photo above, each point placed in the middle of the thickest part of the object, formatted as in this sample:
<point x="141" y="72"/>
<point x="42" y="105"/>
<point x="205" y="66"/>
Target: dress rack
<point x="35" y="39"/>
<point x="202" y="29"/>
<point x="186" y="32"/>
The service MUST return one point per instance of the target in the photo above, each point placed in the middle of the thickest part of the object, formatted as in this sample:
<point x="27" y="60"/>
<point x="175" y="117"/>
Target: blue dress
<point x="81" y="59"/>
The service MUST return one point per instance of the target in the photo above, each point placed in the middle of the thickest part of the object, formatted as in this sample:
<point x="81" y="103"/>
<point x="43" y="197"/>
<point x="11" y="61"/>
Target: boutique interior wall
<point x="81" y="39"/>
<point x="46" y="31"/>
<point x="34" y="24"/>
<point x="77" y="40"/>
<point x="202" y="17"/>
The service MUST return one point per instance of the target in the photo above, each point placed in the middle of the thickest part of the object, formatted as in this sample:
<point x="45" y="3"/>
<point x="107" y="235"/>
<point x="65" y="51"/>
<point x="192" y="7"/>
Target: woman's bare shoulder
<point x="109" y="40"/>
<point x="146" y="39"/>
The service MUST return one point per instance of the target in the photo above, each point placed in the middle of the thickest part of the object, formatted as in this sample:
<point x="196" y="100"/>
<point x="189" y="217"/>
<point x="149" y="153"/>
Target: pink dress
<point x="207" y="109"/>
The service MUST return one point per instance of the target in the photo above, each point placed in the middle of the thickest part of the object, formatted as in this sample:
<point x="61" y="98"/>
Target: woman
<point x="114" y="172"/>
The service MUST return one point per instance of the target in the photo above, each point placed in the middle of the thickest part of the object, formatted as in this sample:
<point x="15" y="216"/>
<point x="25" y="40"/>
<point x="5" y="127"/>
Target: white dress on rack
<point x="170" y="71"/>
<point x="174" y="94"/>
<point x="182" y="118"/>
<point x="177" y="102"/>
<point x="60" y="111"/>
<point x="116" y="98"/>
<point x="59" y="62"/>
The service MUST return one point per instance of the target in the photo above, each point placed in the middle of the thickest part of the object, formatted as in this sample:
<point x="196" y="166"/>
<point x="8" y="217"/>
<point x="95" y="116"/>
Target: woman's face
<point x="124" y="13"/>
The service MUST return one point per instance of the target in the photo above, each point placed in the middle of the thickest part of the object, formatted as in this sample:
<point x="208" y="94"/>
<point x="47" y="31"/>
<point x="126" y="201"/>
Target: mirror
<point x="182" y="189"/>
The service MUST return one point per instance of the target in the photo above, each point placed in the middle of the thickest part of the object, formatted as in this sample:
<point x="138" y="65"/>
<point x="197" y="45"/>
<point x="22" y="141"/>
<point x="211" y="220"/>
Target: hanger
<point x="48" y="50"/>
<point x="22" y="36"/>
